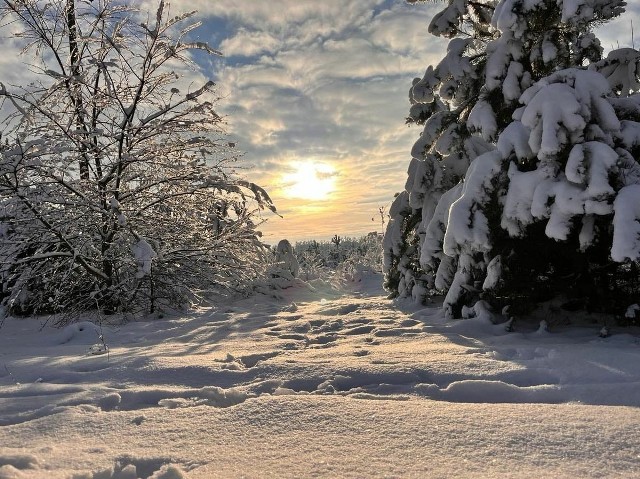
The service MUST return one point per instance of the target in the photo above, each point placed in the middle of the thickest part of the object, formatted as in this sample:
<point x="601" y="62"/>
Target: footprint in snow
<point x="393" y="332"/>
<point x="293" y="336"/>
<point x="252" y="360"/>
<point x="409" y="322"/>
<point x="292" y="308"/>
<point x="359" y="330"/>
<point x="324" y="339"/>
<point x="339" y="310"/>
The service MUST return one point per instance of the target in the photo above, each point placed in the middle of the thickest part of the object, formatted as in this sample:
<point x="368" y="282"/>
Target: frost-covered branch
<point x="114" y="187"/>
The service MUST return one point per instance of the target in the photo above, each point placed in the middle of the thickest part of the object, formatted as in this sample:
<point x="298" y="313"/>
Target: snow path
<point x="322" y="383"/>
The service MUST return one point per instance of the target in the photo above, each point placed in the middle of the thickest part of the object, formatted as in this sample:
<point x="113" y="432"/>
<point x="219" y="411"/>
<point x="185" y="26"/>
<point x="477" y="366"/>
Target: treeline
<point x="339" y="252"/>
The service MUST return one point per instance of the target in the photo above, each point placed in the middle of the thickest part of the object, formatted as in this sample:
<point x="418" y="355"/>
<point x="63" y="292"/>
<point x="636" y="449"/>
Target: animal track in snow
<point x="293" y="336"/>
<point x="324" y="339"/>
<point x="339" y="310"/>
<point x="17" y="462"/>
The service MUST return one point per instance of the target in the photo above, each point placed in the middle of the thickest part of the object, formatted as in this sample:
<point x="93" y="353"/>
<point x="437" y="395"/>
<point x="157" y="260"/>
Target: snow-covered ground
<point x="325" y="382"/>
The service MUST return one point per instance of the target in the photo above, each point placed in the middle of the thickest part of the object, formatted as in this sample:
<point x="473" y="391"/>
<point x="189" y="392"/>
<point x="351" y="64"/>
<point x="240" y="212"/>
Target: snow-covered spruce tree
<point x="532" y="217"/>
<point x="117" y="187"/>
<point x="441" y="101"/>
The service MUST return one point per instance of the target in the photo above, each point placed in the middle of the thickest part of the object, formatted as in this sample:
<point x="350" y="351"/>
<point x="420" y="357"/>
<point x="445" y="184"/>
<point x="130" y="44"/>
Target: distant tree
<point x="528" y="161"/>
<point x="382" y="211"/>
<point x="318" y="258"/>
<point x="117" y="187"/>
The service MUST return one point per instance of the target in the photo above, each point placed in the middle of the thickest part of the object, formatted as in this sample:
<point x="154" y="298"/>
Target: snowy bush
<point x="286" y="260"/>
<point x="283" y="269"/>
<point x="525" y="183"/>
<point x="318" y="259"/>
<point x="339" y="261"/>
<point x="116" y="181"/>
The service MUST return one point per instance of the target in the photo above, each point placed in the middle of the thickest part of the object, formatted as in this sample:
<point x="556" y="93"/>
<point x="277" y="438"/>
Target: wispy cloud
<point x="326" y="82"/>
<point x="321" y="81"/>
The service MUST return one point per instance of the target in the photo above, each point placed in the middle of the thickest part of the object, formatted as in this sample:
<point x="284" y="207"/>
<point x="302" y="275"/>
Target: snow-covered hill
<point x="326" y="382"/>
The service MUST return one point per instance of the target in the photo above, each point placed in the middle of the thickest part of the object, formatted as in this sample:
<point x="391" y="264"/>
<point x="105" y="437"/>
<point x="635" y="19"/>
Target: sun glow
<point x="311" y="181"/>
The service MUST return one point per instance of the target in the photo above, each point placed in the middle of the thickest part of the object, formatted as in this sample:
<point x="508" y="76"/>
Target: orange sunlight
<point x="311" y="181"/>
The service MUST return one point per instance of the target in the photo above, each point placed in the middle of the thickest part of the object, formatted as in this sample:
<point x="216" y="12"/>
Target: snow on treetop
<point x="558" y="108"/>
<point x="621" y="68"/>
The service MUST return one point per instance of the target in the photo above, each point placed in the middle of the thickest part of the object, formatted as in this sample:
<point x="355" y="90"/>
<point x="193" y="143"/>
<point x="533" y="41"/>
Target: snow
<point x="626" y="224"/>
<point x="434" y="233"/>
<point x="515" y="139"/>
<point x="392" y="241"/>
<point x="472" y="229"/>
<point x="494" y="273"/>
<point x="549" y="51"/>
<point x="446" y="22"/>
<point x="511" y="87"/>
<point x="418" y="181"/>
<point x="483" y="119"/>
<point x="518" y="202"/>
<point x="432" y="128"/>
<point x="422" y="88"/>
<point x="454" y="64"/>
<point x="630" y="133"/>
<point x="117" y="208"/>
<point x="552" y="112"/>
<point x="144" y="254"/>
<point x="286" y="263"/>
<point x="587" y="232"/>
<point x="501" y="54"/>
<point x="621" y="69"/>
<point x="333" y="381"/>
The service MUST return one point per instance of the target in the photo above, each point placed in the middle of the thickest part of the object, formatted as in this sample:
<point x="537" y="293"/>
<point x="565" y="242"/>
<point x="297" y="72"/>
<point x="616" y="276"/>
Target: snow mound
<point x="83" y="332"/>
<point x="11" y="465"/>
<point x="133" y="468"/>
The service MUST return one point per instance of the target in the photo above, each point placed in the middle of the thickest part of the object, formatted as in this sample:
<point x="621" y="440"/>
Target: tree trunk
<point x="77" y="96"/>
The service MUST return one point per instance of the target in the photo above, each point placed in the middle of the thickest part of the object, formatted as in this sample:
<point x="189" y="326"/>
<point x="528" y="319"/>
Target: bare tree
<point x="117" y="185"/>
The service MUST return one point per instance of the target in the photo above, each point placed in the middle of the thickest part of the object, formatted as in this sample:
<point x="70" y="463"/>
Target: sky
<point x="315" y="94"/>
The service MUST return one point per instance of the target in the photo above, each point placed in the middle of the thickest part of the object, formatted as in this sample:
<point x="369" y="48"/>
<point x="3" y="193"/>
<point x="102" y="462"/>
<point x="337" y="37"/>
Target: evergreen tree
<point x="440" y="101"/>
<point x="542" y="133"/>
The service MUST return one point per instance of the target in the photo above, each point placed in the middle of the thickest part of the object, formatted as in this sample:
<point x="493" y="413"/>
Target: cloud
<point x="324" y="175"/>
<point x="335" y="75"/>
<point x="249" y="43"/>
<point x="402" y="30"/>
<point x="332" y="79"/>
<point x="283" y="15"/>
<point x="324" y="81"/>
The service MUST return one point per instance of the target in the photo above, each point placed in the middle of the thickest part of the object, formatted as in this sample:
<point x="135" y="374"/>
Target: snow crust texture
<point x="326" y="382"/>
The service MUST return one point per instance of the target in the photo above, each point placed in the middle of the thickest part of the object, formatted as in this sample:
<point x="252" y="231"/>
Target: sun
<point x="311" y="181"/>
